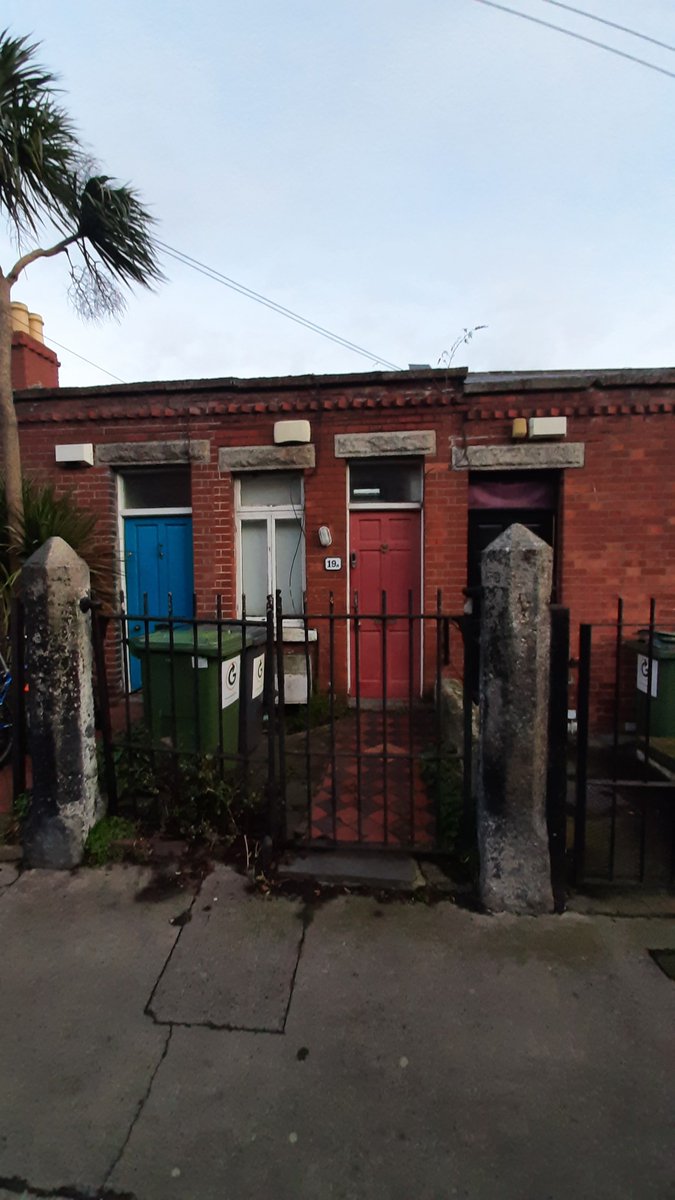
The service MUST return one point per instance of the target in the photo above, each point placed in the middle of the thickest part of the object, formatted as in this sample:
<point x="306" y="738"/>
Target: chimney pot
<point x="20" y="317"/>
<point x="36" y="327"/>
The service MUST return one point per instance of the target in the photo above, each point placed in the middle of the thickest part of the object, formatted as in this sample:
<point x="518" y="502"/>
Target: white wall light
<point x="548" y="427"/>
<point x="79" y="455"/>
<point x="292" y="432"/>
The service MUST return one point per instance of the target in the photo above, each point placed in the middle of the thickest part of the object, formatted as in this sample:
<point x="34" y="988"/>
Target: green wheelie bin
<point x="253" y="694"/>
<point x="662" y="703"/>
<point x="192" y="689"/>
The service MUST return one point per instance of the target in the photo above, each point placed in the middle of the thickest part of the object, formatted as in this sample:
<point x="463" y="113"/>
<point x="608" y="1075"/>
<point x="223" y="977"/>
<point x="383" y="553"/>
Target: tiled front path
<point x="386" y="802"/>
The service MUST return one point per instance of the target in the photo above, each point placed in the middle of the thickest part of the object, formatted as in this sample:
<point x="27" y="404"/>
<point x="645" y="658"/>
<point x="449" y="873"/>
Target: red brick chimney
<point x="33" y="363"/>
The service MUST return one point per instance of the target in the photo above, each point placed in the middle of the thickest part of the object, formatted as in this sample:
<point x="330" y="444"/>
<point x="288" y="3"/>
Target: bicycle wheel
<point x="5" y="732"/>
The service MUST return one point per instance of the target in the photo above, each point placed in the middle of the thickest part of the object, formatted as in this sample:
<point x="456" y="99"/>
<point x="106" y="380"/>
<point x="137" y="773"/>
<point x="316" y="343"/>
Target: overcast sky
<point x="394" y="170"/>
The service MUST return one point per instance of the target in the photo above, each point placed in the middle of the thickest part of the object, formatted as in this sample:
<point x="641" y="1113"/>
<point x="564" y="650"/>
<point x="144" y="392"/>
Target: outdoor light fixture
<point x="293" y="433"/>
<point x="548" y="427"/>
<point x="325" y="536"/>
<point x="80" y="455"/>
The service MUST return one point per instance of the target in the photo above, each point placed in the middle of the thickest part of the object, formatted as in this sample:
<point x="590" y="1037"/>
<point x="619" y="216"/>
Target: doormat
<point x="665" y="959"/>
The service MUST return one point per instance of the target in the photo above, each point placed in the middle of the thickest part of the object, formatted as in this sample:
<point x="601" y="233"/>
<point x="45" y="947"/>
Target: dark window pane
<point x="164" y="488"/>
<point x="377" y="481"/>
<point x="262" y="488"/>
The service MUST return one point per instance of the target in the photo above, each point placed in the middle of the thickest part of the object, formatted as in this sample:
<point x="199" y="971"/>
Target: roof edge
<point x="263" y="383"/>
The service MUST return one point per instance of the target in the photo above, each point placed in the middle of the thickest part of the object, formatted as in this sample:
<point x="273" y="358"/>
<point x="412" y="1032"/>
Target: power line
<point x="82" y="358"/>
<point x="580" y="12"/>
<point x="218" y="277"/>
<point x="578" y="36"/>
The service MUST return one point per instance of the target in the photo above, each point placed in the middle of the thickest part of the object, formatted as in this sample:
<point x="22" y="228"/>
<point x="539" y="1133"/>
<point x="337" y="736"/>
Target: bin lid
<point x="159" y="642"/>
<point x="255" y="634"/>
<point x="663" y="645"/>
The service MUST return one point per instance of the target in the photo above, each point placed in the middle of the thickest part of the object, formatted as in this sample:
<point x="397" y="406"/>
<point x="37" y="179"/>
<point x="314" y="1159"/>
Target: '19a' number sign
<point x="332" y="564"/>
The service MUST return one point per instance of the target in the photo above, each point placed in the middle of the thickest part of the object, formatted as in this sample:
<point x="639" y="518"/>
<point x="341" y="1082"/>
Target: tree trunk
<point x="10" y="462"/>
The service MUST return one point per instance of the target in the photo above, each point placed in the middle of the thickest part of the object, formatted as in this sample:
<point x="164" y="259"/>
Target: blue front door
<point x="158" y="557"/>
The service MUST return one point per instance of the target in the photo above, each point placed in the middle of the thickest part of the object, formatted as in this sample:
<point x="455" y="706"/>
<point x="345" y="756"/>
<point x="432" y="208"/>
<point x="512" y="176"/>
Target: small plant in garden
<point x="183" y="795"/>
<point x="100" y="847"/>
<point x="48" y="514"/>
<point x="317" y="712"/>
<point x="11" y="828"/>
<point x="199" y="802"/>
<point x="442" y="775"/>
<point x="135" y="768"/>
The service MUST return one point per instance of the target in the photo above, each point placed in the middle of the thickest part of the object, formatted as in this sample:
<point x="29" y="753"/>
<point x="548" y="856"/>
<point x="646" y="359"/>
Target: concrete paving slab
<point x="10" y="852"/>
<point x="615" y="901"/>
<point x="429" y="1052"/>
<point x="235" y="962"/>
<point x="9" y="873"/>
<point x="342" y="868"/>
<point x="82" y="953"/>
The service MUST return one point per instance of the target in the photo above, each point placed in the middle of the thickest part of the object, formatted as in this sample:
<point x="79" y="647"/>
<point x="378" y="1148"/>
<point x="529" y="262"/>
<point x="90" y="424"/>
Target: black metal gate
<point x="335" y="771"/>
<point x="623" y="802"/>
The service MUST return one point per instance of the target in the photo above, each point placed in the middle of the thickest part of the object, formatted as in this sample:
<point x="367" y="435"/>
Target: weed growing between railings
<point x="443" y="777"/>
<point x="315" y="713"/>
<point x="12" y="823"/>
<point x="185" y="795"/>
<point x="105" y="840"/>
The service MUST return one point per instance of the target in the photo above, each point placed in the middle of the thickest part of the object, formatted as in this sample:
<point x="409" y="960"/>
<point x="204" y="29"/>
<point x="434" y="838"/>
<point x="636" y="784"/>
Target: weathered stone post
<point x="515" y="871"/>
<point x="65" y="802"/>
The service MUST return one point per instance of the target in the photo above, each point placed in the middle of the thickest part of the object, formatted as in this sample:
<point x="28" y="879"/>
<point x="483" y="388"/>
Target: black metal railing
<point x="366" y="760"/>
<point x="624" y="764"/>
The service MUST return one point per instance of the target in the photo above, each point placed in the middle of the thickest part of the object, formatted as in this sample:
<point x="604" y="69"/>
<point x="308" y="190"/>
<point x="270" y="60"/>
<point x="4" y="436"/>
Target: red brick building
<point x="364" y="482"/>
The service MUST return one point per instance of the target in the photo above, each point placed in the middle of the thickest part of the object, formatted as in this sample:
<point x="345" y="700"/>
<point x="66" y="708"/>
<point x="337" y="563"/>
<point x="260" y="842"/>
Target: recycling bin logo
<point x="643" y="675"/>
<point x="258" y="681"/>
<point x="230" y="681"/>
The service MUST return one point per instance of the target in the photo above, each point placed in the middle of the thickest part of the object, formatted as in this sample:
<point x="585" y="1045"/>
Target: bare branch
<point x="33" y="255"/>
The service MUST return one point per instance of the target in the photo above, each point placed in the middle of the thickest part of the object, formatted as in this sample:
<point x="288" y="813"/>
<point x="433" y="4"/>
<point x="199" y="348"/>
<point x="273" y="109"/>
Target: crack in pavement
<point x="139" y="1109"/>
<point x="148" y="1010"/>
<point x="4" y="887"/>
<point x="306" y="917"/>
<point x="21" y="1187"/>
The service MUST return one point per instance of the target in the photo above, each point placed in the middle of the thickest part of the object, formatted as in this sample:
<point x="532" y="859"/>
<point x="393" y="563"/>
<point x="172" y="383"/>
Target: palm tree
<point x="48" y="182"/>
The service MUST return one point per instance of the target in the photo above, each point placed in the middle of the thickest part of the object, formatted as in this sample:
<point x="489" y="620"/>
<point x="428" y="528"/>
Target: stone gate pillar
<point x="515" y="872"/>
<point x="65" y="802"/>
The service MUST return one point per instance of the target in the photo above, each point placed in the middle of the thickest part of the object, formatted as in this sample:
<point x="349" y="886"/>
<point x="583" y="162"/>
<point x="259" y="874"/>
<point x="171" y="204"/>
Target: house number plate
<point x="333" y="564"/>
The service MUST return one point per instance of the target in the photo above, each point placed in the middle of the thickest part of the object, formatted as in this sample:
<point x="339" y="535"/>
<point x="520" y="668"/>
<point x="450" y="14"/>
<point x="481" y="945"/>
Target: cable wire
<point x="218" y="277"/>
<point x="580" y="12"/>
<point x="53" y="342"/>
<point x="580" y="37"/>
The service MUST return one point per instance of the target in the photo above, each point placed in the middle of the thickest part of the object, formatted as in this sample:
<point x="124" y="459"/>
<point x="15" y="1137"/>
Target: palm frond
<point x="39" y="148"/>
<point x="115" y="225"/>
<point x="48" y="514"/>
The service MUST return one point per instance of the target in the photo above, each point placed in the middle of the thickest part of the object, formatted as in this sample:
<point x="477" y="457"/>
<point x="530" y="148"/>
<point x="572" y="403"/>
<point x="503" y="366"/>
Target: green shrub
<point x="99" y="847"/>
<point x="317" y="710"/>
<point x="443" y="775"/>
<point x="49" y="514"/>
<point x="188" y="796"/>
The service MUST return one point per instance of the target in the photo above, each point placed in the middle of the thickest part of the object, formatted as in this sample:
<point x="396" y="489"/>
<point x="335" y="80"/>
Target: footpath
<point x="223" y="1045"/>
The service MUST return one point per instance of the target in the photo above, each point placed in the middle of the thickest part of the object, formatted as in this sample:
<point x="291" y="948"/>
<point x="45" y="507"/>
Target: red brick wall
<point x="33" y="363"/>
<point x="618" y="511"/>
<point x="617" y="536"/>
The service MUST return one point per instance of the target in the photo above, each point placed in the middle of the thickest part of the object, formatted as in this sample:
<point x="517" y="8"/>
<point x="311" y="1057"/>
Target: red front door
<point x="386" y="557"/>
